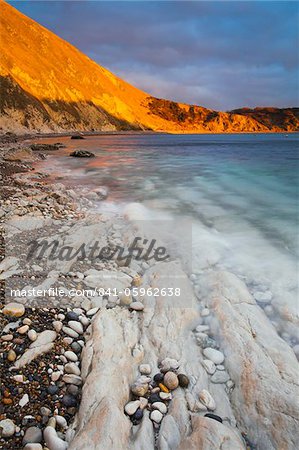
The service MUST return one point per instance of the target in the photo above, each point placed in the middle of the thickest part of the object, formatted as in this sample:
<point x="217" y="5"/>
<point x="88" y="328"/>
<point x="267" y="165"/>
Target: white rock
<point x="214" y="355"/>
<point x="76" y="326"/>
<point x="72" y="368"/>
<point x="156" y="416"/>
<point x="13" y="309"/>
<point x="33" y="446"/>
<point x="202" y="328"/>
<point x="71" y="356"/>
<point x="263" y="297"/>
<point x="143" y="402"/>
<point x="137" y="306"/>
<point x="220" y="377"/>
<point x="24" y="400"/>
<point x="92" y="312"/>
<point x="205" y="312"/>
<point x="23" y="329"/>
<point x="61" y="421"/>
<point x="207" y="400"/>
<point x="84" y="320"/>
<point x="55" y="376"/>
<point x="160" y="406"/>
<point x="168" y="364"/>
<point x="132" y="407"/>
<point x="70" y="378"/>
<point x="32" y="335"/>
<point x="57" y="325"/>
<point x="70" y="332"/>
<point x="52" y="440"/>
<point x="8" y="428"/>
<point x="209" y="366"/>
<point x="145" y="369"/>
<point x="165" y="395"/>
<point x="43" y="338"/>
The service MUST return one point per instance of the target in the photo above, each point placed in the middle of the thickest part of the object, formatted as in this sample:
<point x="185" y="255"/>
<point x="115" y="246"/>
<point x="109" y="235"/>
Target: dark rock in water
<point x="82" y="154"/>
<point x="45" y="147"/>
<point x="154" y="398"/>
<point x="70" y="315"/>
<point x="77" y="136"/>
<point x="69" y="401"/>
<point x="158" y="378"/>
<point x="137" y="417"/>
<point x="213" y="416"/>
<point x="183" y="380"/>
<point x="52" y="389"/>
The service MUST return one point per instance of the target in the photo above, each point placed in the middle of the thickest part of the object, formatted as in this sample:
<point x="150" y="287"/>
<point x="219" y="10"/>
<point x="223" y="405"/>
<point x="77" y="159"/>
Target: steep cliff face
<point x="48" y="85"/>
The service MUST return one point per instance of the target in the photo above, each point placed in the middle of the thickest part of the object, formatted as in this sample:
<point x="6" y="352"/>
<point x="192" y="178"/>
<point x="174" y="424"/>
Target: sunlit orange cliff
<point x="46" y="84"/>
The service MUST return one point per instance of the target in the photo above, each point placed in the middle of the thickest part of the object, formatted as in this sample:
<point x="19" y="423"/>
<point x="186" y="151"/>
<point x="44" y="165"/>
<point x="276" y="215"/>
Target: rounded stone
<point x="160" y="406"/>
<point x="207" y="400"/>
<point x="183" y="380"/>
<point x="71" y="356"/>
<point x="209" y="366"/>
<point x="154" y="398"/>
<point x="33" y="447"/>
<point x="70" y="332"/>
<point x="137" y="417"/>
<point x="23" y="329"/>
<point x="11" y="356"/>
<point x="145" y="369"/>
<point x="214" y="355"/>
<point x="139" y="389"/>
<point x="70" y="378"/>
<point x="72" y="368"/>
<point x="158" y="378"/>
<point x="69" y="400"/>
<point x="171" y="380"/>
<point x="156" y="416"/>
<point x="169" y="364"/>
<point x="137" y="306"/>
<point x="52" y="389"/>
<point x="70" y="315"/>
<point x="7" y="427"/>
<point x="76" y="347"/>
<point x="76" y="326"/>
<point x="14" y="309"/>
<point x="32" y="335"/>
<point x="132" y="407"/>
<point x="32" y="435"/>
<point x="57" y="325"/>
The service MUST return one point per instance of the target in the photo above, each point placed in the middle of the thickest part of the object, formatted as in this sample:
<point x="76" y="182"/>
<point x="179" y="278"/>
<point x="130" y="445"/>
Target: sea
<point x="240" y="192"/>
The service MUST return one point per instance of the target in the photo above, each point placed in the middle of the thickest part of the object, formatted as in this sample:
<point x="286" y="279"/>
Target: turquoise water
<point x="240" y="191"/>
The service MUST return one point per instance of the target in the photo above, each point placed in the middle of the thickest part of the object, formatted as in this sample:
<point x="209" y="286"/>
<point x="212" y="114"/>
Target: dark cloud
<point x="222" y="55"/>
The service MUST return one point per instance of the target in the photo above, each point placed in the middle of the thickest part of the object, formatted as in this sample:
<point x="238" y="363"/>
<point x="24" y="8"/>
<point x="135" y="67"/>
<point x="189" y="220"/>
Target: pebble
<point x="183" y="380"/>
<point x="139" y="389"/>
<point x="69" y="400"/>
<point x="71" y="356"/>
<point x="14" y="309"/>
<point x="163" y="388"/>
<point x="84" y="320"/>
<point x="145" y="369"/>
<point x="72" y="379"/>
<point x="207" y="400"/>
<point x="56" y="375"/>
<point x="92" y="312"/>
<point x="24" y="400"/>
<point x="160" y="406"/>
<point x="132" y="407"/>
<point x="57" y="325"/>
<point x="18" y="378"/>
<point x="70" y="332"/>
<point x="61" y="421"/>
<point x="72" y="368"/>
<point x="52" y="440"/>
<point x="154" y="398"/>
<point x="8" y="427"/>
<point x="52" y="389"/>
<point x="137" y="417"/>
<point x="23" y="329"/>
<point x="165" y="396"/>
<point x="76" y="347"/>
<point x="32" y="335"/>
<point x="68" y="340"/>
<point x="33" y="447"/>
<point x="214" y="355"/>
<point x="125" y="300"/>
<point x="171" y="380"/>
<point x="156" y="416"/>
<point x="220" y="377"/>
<point x="137" y="306"/>
<point x="11" y="356"/>
<point x="71" y="315"/>
<point x="7" y="337"/>
<point x="27" y="321"/>
<point x="209" y="366"/>
<point x="143" y="402"/>
<point x="45" y="411"/>
<point x="169" y="364"/>
<point x="263" y="297"/>
<point x="76" y="326"/>
<point x="32" y="435"/>
<point x="158" y="378"/>
<point x="202" y="328"/>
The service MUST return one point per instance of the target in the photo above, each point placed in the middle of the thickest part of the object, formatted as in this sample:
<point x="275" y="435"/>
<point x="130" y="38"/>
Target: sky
<point x="222" y="55"/>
